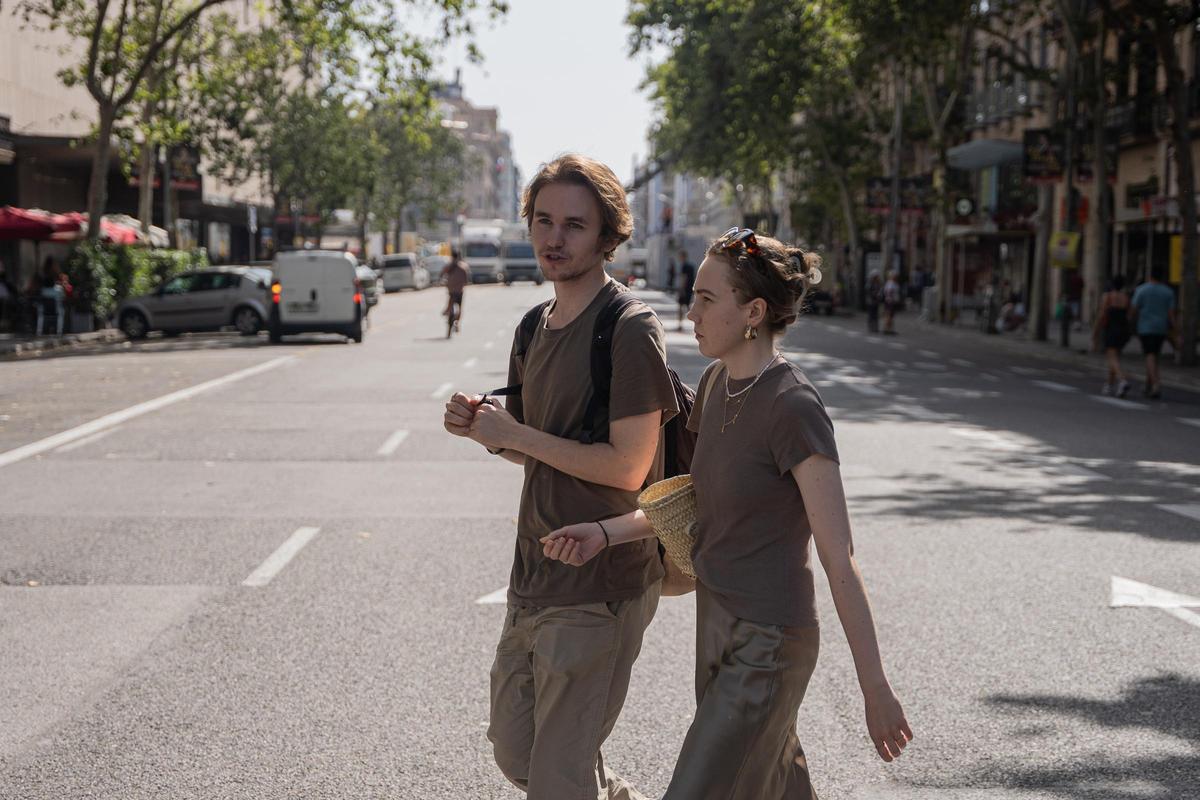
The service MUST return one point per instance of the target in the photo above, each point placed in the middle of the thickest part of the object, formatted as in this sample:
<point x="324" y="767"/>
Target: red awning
<point x="32" y="224"/>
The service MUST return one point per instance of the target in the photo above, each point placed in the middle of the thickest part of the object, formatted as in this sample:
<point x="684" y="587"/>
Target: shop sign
<point x="1136" y="194"/>
<point x="1042" y="159"/>
<point x="1064" y="250"/>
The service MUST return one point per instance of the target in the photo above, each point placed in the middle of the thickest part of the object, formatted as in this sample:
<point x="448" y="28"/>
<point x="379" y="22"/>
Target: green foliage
<point x="104" y="275"/>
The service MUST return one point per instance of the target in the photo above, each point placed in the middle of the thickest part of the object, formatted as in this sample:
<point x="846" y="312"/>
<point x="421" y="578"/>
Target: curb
<point x="30" y="348"/>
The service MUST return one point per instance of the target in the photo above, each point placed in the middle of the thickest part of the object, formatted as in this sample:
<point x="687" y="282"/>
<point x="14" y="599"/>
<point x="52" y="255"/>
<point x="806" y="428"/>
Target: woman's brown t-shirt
<point x="752" y="539"/>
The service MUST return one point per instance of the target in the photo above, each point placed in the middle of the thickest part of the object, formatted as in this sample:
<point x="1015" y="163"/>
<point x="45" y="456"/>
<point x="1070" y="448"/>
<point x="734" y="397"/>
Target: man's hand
<point x="493" y="427"/>
<point x="460" y="412"/>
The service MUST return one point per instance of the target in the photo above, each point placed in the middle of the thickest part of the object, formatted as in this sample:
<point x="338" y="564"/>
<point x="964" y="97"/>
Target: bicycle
<point x="453" y="313"/>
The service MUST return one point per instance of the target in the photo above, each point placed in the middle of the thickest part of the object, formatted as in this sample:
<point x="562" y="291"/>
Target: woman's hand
<point x="886" y="723"/>
<point x="574" y="544"/>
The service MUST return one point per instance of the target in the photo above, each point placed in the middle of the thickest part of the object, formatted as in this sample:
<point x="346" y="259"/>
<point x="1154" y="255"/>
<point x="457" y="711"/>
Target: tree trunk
<point x="1101" y="230"/>
<point x="891" y="230"/>
<point x="98" y="187"/>
<point x="1186" y="182"/>
<point x="146" y="186"/>
<point x="847" y="203"/>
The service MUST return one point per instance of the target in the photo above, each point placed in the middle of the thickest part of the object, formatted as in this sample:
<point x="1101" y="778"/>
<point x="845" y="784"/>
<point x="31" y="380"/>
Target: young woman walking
<point x="1113" y="332"/>
<point x="767" y="480"/>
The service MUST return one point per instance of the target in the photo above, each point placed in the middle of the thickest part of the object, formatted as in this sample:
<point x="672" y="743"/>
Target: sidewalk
<point x="1172" y="375"/>
<point x="16" y="346"/>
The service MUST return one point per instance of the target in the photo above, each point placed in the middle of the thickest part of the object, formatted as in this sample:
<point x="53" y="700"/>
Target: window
<point x="480" y="250"/>
<point x="182" y="284"/>
<point x="224" y="280"/>
<point x="518" y="250"/>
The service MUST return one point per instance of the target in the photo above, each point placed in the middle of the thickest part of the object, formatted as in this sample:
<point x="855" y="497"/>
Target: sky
<point x="560" y="74"/>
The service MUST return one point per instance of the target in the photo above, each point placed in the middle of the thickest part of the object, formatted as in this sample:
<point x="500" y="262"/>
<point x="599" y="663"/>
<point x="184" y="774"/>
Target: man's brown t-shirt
<point x="457" y="275"/>
<point x="752" y="537"/>
<point x="555" y="373"/>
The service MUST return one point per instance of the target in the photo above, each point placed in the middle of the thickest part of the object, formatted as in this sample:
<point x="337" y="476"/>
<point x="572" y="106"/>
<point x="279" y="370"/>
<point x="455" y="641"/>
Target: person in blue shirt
<point x="1154" y="317"/>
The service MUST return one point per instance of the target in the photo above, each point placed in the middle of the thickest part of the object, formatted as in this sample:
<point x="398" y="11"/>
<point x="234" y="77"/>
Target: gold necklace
<point x="741" y="393"/>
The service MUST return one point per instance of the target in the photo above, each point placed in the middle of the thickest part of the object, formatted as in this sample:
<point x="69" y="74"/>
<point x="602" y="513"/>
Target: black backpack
<point x="679" y="442"/>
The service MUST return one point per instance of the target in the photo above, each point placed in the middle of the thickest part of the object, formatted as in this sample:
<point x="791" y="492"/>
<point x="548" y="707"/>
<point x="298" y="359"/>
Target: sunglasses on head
<point x="739" y="237"/>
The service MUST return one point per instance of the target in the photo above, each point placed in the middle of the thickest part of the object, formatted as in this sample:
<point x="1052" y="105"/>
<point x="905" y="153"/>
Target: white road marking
<point x="489" y="345"/>
<point x="1186" y="421"/>
<point x="935" y="366"/>
<point x="66" y="448"/>
<point x="929" y="354"/>
<point x="896" y="346"/>
<point x="1119" y="403"/>
<point x="1191" y="511"/>
<point x="498" y="597"/>
<point x="989" y="377"/>
<point x="280" y="558"/>
<point x="1132" y="594"/>
<point x="1027" y="371"/>
<point x="1054" y="387"/>
<point x="965" y="394"/>
<point x="962" y="362"/>
<point x="440" y="392"/>
<point x="988" y="438"/>
<point x="117" y="417"/>
<point x="393" y="441"/>
<point x="470" y="362"/>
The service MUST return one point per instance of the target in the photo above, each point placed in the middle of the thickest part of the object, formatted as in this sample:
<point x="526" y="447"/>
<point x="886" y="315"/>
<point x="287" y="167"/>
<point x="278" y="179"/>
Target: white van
<point x="316" y="291"/>
<point x="403" y="271"/>
<point x="480" y="246"/>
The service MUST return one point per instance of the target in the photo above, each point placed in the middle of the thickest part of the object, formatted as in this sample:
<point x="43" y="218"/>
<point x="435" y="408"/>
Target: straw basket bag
<point x="670" y="506"/>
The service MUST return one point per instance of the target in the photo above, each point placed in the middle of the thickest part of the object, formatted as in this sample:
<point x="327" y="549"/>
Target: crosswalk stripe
<point x="393" y="442"/>
<point x="280" y="558"/>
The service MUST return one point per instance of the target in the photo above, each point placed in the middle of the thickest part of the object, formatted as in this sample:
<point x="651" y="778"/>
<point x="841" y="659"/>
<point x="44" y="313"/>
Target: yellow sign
<point x="1176" y="275"/>
<point x="1064" y="250"/>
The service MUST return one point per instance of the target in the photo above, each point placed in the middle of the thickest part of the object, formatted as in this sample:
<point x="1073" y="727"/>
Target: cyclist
<point x="456" y="274"/>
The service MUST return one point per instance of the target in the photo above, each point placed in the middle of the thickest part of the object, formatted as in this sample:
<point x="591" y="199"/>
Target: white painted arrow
<point x="498" y="597"/>
<point x="1127" y="593"/>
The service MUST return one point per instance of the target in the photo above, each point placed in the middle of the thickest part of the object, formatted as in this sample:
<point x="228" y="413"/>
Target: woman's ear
<point x="758" y="311"/>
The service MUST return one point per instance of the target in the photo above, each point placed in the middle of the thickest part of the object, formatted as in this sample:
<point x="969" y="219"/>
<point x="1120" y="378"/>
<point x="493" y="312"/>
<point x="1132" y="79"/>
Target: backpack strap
<point x="528" y="327"/>
<point x="595" y="417"/>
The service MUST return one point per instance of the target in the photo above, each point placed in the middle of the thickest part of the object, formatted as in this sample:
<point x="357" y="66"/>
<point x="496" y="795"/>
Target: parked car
<point x="403" y="271"/>
<point x="372" y="284"/>
<point x="201" y="300"/>
<point x="520" y="264"/>
<point x="316" y="291"/>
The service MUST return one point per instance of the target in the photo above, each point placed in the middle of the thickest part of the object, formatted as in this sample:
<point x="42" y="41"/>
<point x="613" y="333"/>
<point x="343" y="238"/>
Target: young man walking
<point x="1154" y="315"/>
<point x="687" y="282"/>
<point x="571" y="635"/>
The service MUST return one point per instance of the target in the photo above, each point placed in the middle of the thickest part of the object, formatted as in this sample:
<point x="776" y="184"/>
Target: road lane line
<point x="470" y="362"/>
<point x="1027" y="371"/>
<point x="1119" y="403"/>
<point x="1190" y="511"/>
<point x="394" y="441"/>
<point x="1054" y="387"/>
<point x="498" y="597"/>
<point x="95" y="437"/>
<point x="117" y="417"/>
<point x="489" y="345"/>
<point x="929" y="354"/>
<point x="280" y="558"/>
<point x="1186" y="421"/>
<point x="440" y="392"/>
<point x="962" y="362"/>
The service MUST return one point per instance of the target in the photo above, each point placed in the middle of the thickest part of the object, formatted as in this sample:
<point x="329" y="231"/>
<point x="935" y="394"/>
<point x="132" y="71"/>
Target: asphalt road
<point x="267" y="584"/>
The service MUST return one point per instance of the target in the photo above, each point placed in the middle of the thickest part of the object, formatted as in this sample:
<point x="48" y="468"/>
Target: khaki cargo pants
<point x="558" y="683"/>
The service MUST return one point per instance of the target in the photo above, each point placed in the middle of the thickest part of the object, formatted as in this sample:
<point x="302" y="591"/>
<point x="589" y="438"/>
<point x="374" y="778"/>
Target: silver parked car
<point x="403" y="271"/>
<point x="204" y="300"/>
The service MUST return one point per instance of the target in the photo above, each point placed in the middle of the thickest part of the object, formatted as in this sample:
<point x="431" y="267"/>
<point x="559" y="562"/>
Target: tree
<point x="123" y="47"/>
<point x="1161" y="21"/>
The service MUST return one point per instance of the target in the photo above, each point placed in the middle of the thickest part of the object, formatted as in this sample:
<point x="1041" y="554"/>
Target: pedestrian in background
<point x="571" y="635"/>
<point x="767" y="481"/>
<point x="874" y="298"/>
<point x="1154" y="315"/>
<point x="891" y="302"/>
<point x="1112" y="333"/>
<point x="687" y="279"/>
<point x="671" y="273"/>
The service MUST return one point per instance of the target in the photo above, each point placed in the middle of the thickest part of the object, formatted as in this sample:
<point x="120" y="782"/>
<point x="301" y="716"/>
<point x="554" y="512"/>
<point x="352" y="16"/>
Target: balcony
<point x="1133" y="118"/>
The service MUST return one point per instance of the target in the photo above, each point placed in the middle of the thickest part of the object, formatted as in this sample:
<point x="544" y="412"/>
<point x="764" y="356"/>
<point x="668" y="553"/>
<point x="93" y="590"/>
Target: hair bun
<point x="807" y="265"/>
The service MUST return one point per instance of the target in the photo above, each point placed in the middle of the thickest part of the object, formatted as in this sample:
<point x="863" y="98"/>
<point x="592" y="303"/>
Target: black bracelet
<point x="605" y="532"/>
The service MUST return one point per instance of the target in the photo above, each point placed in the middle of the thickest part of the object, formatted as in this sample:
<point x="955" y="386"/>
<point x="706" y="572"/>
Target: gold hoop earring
<point x="751" y="332"/>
